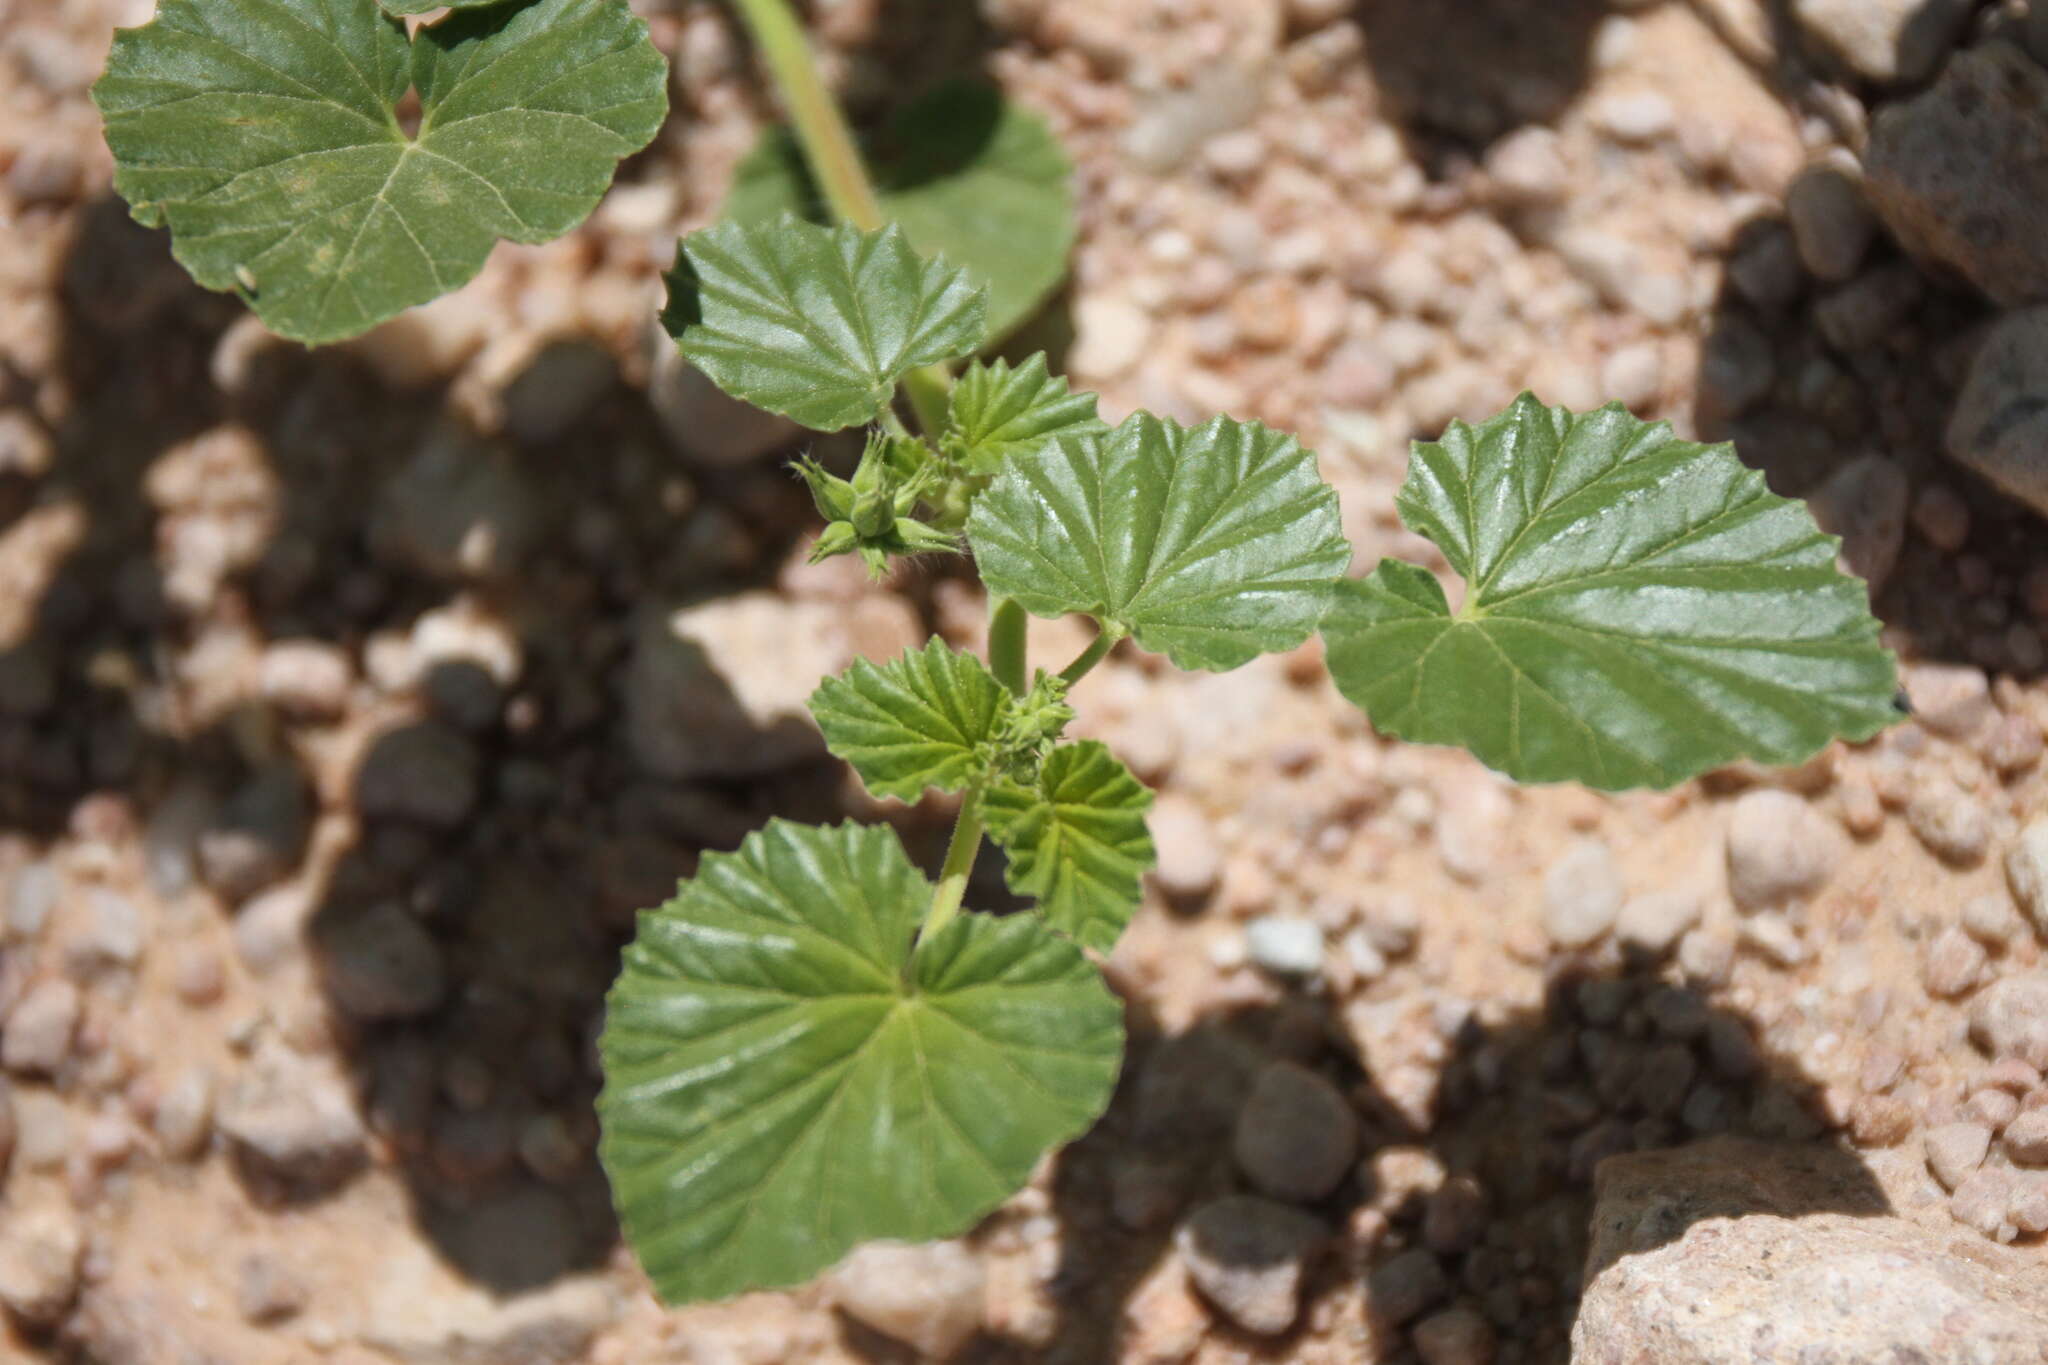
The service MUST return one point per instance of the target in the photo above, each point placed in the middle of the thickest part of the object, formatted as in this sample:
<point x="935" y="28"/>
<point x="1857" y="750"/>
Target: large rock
<point x="2000" y="424"/>
<point x="1736" y="1250"/>
<point x="1957" y="175"/>
<point x="718" y="690"/>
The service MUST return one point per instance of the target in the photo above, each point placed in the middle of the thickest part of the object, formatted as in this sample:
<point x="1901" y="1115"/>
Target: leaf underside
<point x="927" y="719"/>
<point x="264" y="134"/>
<point x="1000" y="413"/>
<point x="1210" y="545"/>
<point x="816" y="323"/>
<point x="967" y="174"/>
<point x="1077" y="841"/>
<point x="1639" y="609"/>
<point x="784" y="1080"/>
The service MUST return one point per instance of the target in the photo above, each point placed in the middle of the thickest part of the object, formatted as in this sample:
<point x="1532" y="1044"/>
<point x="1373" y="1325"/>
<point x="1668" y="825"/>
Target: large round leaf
<point x="1210" y="545"/>
<point x="785" y="1078"/>
<point x="265" y="133"/>
<point x="816" y="323"/>
<point x="1638" y="609"/>
<point x="970" y="177"/>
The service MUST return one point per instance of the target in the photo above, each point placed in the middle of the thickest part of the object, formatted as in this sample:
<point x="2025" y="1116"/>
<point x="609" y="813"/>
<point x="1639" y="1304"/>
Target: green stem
<point x="1006" y="644"/>
<point x="961" y="852"/>
<point x="835" y="160"/>
<point x="1097" y="650"/>
<point x="827" y="141"/>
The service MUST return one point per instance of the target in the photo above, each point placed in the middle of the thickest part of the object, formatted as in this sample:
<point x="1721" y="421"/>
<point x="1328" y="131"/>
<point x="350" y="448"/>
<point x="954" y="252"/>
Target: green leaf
<point x="969" y="176"/>
<point x="784" y="1079"/>
<point x="816" y="323"/>
<point x="1210" y="545"/>
<point x="1640" y="609"/>
<point x="1077" y="840"/>
<point x="1000" y="413"/>
<point x="264" y="133"/>
<point x="928" y="719"/>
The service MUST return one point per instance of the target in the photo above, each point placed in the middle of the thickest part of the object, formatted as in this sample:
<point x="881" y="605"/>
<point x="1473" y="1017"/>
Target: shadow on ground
<point x="1456" y="77"/>
<point x="464" y="931"/>
<point x="1489" y="1208"/>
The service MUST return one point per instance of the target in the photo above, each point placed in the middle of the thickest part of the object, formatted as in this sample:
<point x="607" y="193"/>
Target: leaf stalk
<point x="1098" y="649"/>
<point x="1006" y="644"/>
<point x="835" y="160"/>
<point x="961" y="851"/>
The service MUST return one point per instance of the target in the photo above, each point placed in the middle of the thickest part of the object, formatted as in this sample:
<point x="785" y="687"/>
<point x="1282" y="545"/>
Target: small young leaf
<point x="784" y="1078"/>
<point x="1640" y="609"/>
<point x="1210" y="545"/>
<point x="1000" y="413"/>
<point x="816" y="323"/>
<point x="927" y="719"/>
<point x="970" y="177"/>
<point x="1077" y="840"/>
<point x="264" y="133"/>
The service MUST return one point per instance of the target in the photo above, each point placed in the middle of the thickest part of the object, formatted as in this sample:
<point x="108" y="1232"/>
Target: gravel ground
<point x="352" y="701"/>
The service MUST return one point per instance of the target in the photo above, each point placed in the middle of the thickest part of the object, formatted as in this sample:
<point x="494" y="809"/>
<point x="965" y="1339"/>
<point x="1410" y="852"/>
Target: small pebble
<point x="37" y="1037"/>
<point x="1941" y="517"/>
<point x="1284" y="945"/>
<point x="1880" y="1121"/>
<point x="1832" y="225"/>
<point x="1457" y="1336"/>
<point x="2026" y="1137"/>
<point x="1955" y="965"/>
<point x="1296" y="1137"/>
<point x="1654" y="922"/>
<point x="1780" y="849"/>
<point x="42" y="1253"/>
<point x="1249" y="1257"/>
<point x="1951" y="823"/>
<point x="2027" y="1202"/>
<point x="1582" y="894"/>
<point x="1956" y="1149"/>
<point x="1776" y="939"/>
<point x="1406" y="1286"/>
<point x="1981" y="1200"/>
<point x="1189" y="861"/>
<point x="1991" y="920"/>
<point x="266" y="1291"/>
<point x="184" y="1115"/>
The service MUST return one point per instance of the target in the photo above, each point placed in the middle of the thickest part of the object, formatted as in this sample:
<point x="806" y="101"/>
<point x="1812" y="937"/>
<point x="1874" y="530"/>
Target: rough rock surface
<point x="1731" y="1250"/>
<point x="1957" y="176"/>
<point x="2000" y="424"/>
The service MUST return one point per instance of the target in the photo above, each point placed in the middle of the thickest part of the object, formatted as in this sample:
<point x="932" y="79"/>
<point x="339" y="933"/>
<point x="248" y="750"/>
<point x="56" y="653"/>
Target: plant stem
<point x="961" y="852"/>
<point x="835" y="160"/>
<point x="827" y="141"/>
<point x="1006" y="644"/>
<point x="1098" y="649"/>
